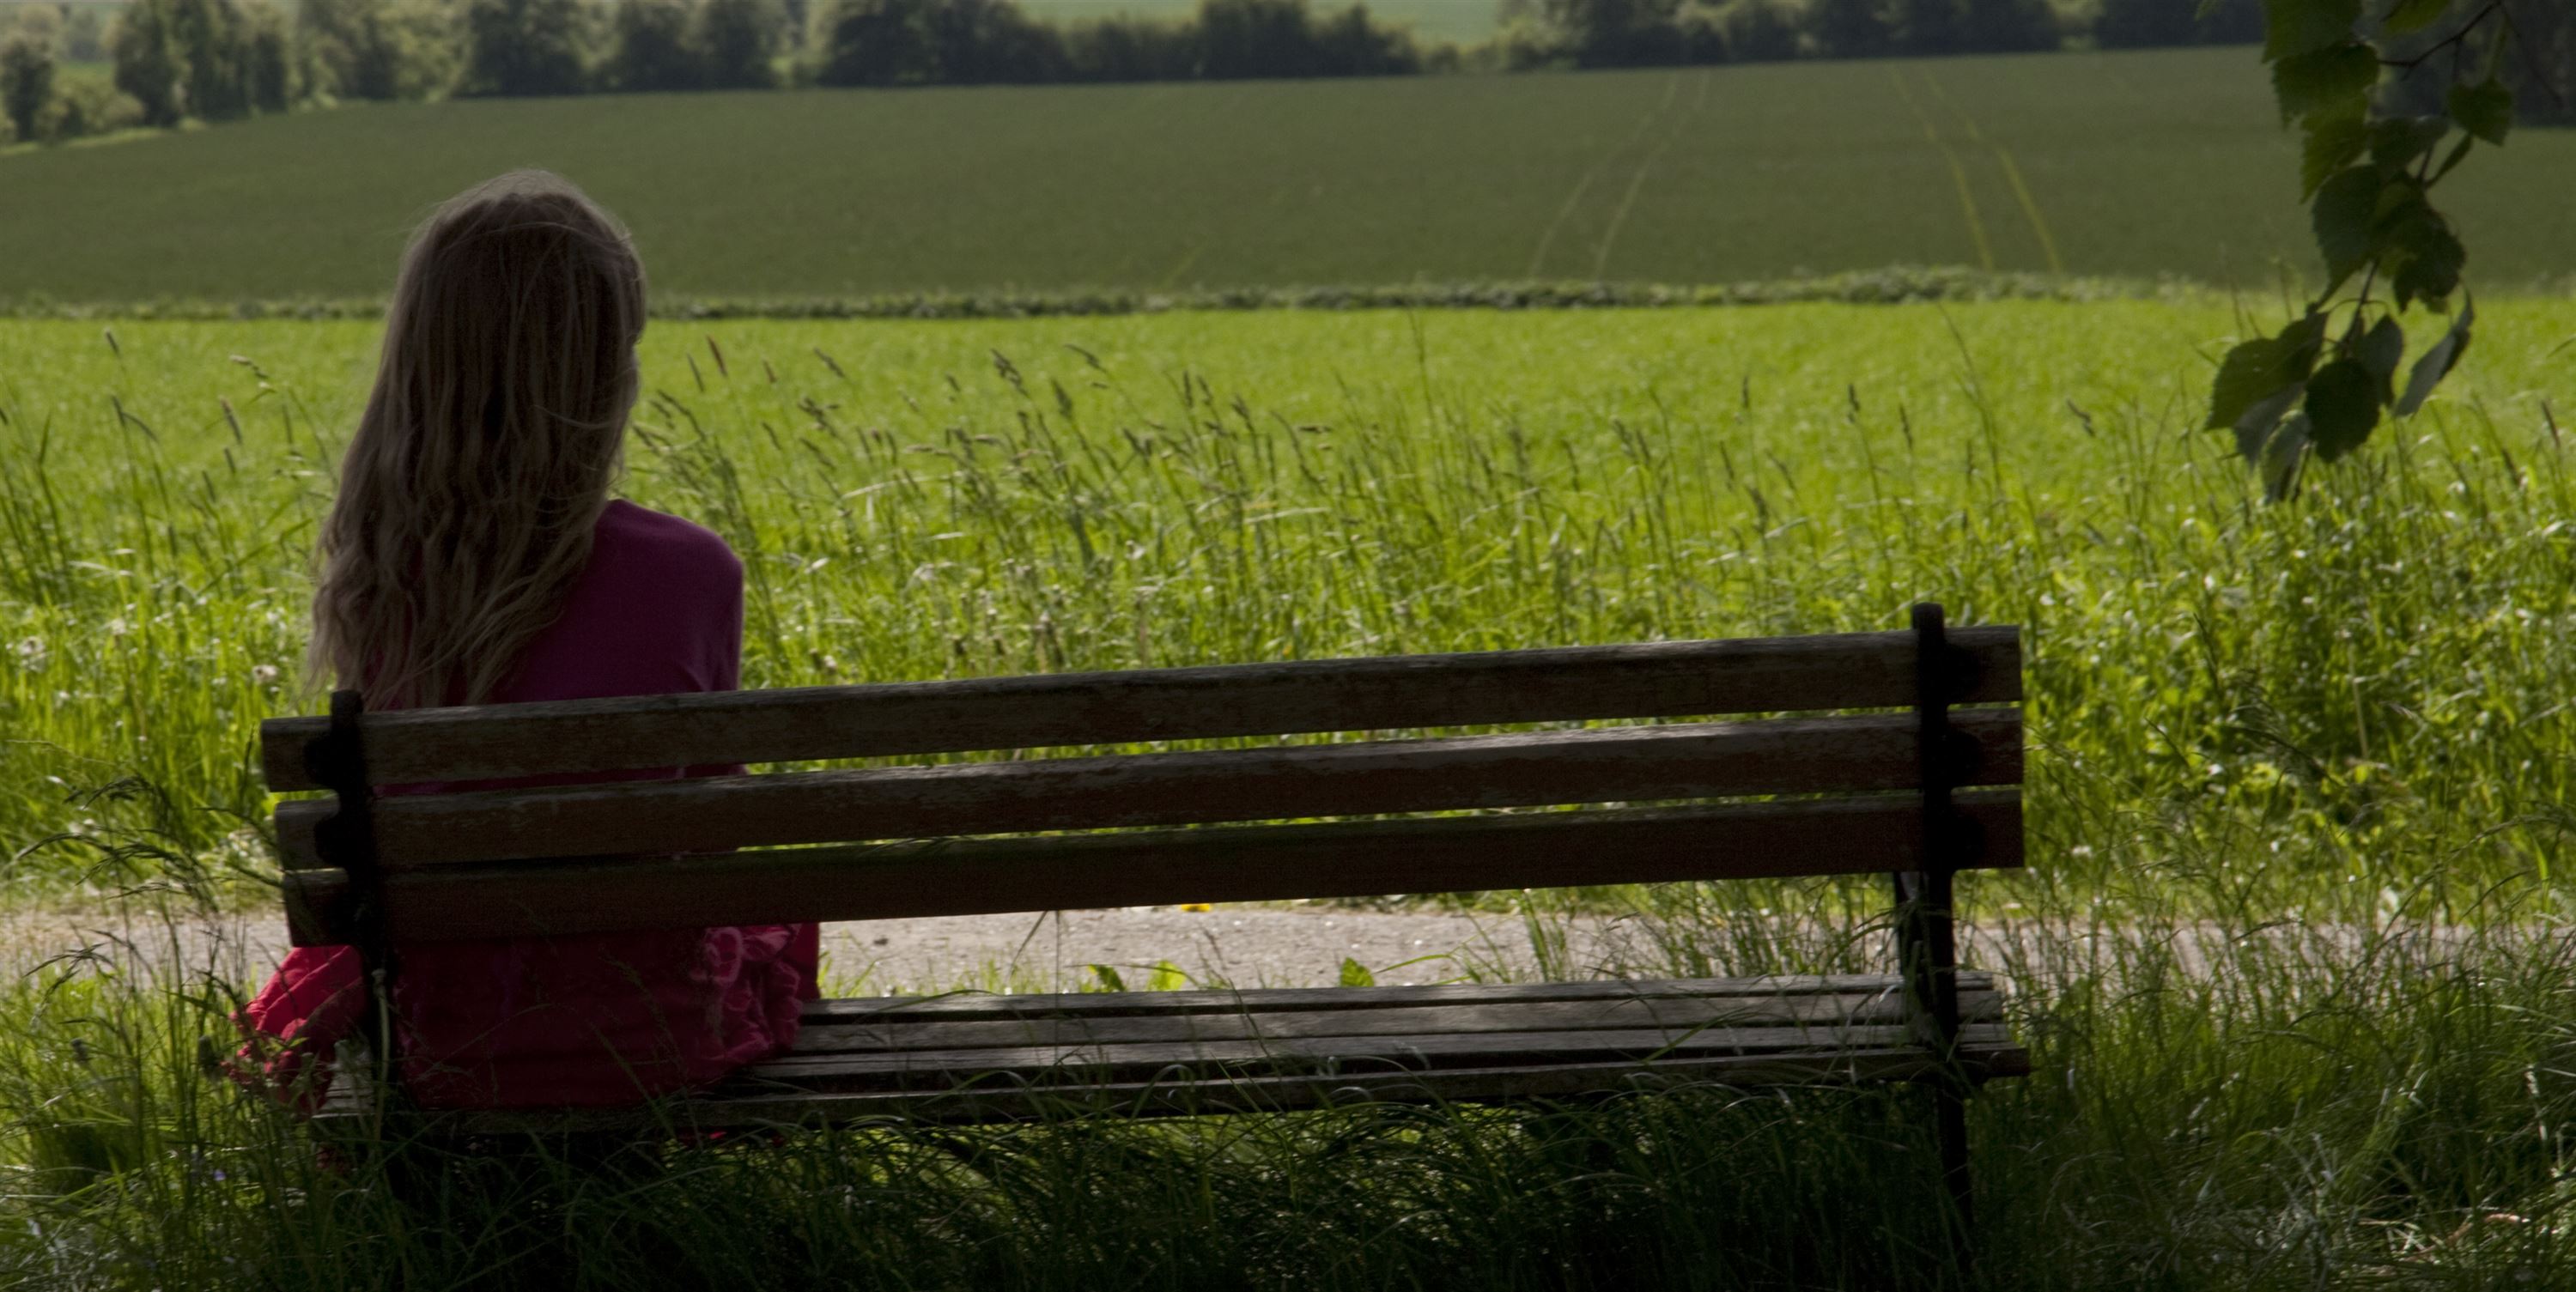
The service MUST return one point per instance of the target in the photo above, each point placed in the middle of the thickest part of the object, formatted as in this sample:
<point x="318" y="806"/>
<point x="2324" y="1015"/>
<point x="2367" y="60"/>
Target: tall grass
<point x="2217" y="1104"/>
<point x="2298" y="691"/>
<point x="2291" y="954"/>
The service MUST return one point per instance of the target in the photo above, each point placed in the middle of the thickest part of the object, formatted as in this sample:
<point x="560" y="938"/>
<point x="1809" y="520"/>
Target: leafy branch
<point x="2367" y="174"/>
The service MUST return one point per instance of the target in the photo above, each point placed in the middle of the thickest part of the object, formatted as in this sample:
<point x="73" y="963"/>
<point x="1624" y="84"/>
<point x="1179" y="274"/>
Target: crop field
<point x="920" y="500"/>
<point x="2292" y="949"/>
<point x="2147" y="164"/>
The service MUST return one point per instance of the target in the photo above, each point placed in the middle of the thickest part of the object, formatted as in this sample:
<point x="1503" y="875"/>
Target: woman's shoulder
<point x="665" y="544"/>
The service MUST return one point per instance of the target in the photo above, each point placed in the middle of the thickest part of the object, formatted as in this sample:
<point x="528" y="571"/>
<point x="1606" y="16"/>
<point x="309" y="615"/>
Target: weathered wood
<point x="1260" y="863"/>
<point x="1531" y="769"/>
<point x="1674" y="1015"/>
<point x="1142" y="1060"/>
<point x="1656" y="680"/>
<point x="976" y="1006"/>
<point x="753" y="1105"/>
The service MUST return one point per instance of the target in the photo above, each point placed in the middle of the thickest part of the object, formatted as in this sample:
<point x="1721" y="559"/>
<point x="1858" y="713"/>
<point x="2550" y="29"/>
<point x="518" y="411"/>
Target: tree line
<point x="219" y="60"/>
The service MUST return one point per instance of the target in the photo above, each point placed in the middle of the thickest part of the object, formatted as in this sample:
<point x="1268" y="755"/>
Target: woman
<point x="474" y="557"/>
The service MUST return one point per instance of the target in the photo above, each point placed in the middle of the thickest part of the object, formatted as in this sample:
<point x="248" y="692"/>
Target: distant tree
<point x="147" y="63"/>
<point x="736" y="41"/>
<point x="380" y="49"/>
<point x="1239" y="39"/>
<point x="1923" y="26"/>
<point x="206" y="35"/>
<point x="649" y="47"/>
<point x="1130" y="49"/>
<point x="26" y="79"/>
<point x="85" y="105"/>
<point x="1351" y="43"/>
<point x="2543" y="73"/>
<point x="2008" y="26"/>
<point x="1850" y="28"/>
<point x="1615" y="33"/>
<point x="522" y="48"/>
<point x="267" y="56"/>
<point x="84" y="35"/>
<point x="872" y="42"/>
<point x="2143" y="24"/>
<point x="979" y="42"/>
<point x="1759" y="31"/>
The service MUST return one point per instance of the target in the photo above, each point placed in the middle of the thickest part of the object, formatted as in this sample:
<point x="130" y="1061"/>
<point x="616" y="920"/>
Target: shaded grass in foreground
<point x="2217" y="1105"/>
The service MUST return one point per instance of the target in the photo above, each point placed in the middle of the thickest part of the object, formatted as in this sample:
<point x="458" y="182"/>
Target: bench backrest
<point x="1845" y="792"/>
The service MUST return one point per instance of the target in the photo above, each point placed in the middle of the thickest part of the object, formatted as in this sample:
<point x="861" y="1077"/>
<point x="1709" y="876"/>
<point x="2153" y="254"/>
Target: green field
<point x="2293" y="952"/>
<point x="2134" y="164"/>
<point x="980" y="498"/>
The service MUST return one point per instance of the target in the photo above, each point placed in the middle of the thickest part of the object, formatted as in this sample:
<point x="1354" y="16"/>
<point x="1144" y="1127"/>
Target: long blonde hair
<point x="487" y="447"/>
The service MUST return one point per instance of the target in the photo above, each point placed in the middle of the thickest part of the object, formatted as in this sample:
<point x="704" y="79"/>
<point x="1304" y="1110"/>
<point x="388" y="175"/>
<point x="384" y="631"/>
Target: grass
<point x="2292" y="949"/>
<point x="2131" y="165"/>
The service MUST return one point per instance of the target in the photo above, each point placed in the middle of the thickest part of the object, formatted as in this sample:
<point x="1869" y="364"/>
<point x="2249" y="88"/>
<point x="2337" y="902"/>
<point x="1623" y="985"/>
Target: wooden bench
<point x="1921" y="794"/>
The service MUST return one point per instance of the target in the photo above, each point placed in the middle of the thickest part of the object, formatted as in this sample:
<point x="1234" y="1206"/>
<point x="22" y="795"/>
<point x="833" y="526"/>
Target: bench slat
<point x="1141" y="1060"/>
<point x="1261" y="863"/>
<point x="1655" y="680"/>
<point x="975" y="1006"/>
<point x="1530" y="769"/>
<point x="754" y="1106"/>
<point x="1885" y="1007"/>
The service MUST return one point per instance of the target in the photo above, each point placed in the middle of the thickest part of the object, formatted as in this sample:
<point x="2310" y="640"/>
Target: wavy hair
<point x="487" y="447"/>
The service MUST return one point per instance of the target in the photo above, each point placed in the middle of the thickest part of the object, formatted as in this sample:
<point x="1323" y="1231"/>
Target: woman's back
<point x="602" y="1018"/>
<point x="472" y="556"/>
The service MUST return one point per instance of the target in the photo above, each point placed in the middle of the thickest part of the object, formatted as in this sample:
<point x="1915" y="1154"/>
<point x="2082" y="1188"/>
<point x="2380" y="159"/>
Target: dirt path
<point x="1244" y="947"/>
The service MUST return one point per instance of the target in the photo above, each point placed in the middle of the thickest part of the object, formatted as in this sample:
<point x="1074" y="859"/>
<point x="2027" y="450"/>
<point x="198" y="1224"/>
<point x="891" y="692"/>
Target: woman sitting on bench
<point x="474" y="557"/>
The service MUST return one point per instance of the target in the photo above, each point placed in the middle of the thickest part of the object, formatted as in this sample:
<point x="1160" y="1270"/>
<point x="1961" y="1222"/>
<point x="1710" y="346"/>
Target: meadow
<point x="2292" y="950"/>
<point x="2168" y="163"/>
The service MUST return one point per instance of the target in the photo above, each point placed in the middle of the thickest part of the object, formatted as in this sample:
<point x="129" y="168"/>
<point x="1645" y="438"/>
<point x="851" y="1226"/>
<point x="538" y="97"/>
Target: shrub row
<point x="1892" y="286"/>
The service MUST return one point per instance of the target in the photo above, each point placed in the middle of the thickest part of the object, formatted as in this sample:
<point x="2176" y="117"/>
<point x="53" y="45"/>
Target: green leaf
<point x="1167" y="977"/>
<point x="2259" y="370"/>
<point x="2424" y="257"/>
<point x="1108" y="976"/>
<point x="1355" y="974"/>
<point x="2342" y="408"/>
<point x="2292" y="27"/>
<point x="2438" y="361"/>
<point x="2345" y="215"/>
<point x="2414" y="15"/>
<point x="2279" y="459"/>
<point x="2333" y="142"/>
<point x="2256" y="428"/>
<point x="2396" y="142"/>
<point x="2484" y="110"/>
<point x="2335" y="81"/>
<point x="2380" y="352"/>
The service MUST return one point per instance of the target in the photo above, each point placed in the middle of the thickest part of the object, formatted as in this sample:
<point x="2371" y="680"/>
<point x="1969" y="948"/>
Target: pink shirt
<point x="594" y="1018"/>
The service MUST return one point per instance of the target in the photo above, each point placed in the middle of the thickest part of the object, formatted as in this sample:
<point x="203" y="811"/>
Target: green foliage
<point x="526" y="48"/>
<point x="147" y="60"/>
<point x="381" y="49"/>
<point x="650" y="47"/>
<point x="872" y="42"/>
<point x="737" y="40"/>
<point x="26" y="81"/>
<point x="1849" y="28"/>
<point x="1759" y="31"/>
<point x="2368" y="173"/>
<point x="2138" y="24"/>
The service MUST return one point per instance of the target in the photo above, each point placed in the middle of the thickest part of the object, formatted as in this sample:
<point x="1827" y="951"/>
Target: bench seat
<point x="977" y="1058"/>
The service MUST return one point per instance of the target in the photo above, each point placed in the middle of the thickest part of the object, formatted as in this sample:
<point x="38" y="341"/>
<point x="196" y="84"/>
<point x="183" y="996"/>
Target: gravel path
<point x="1237" y="946"/>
